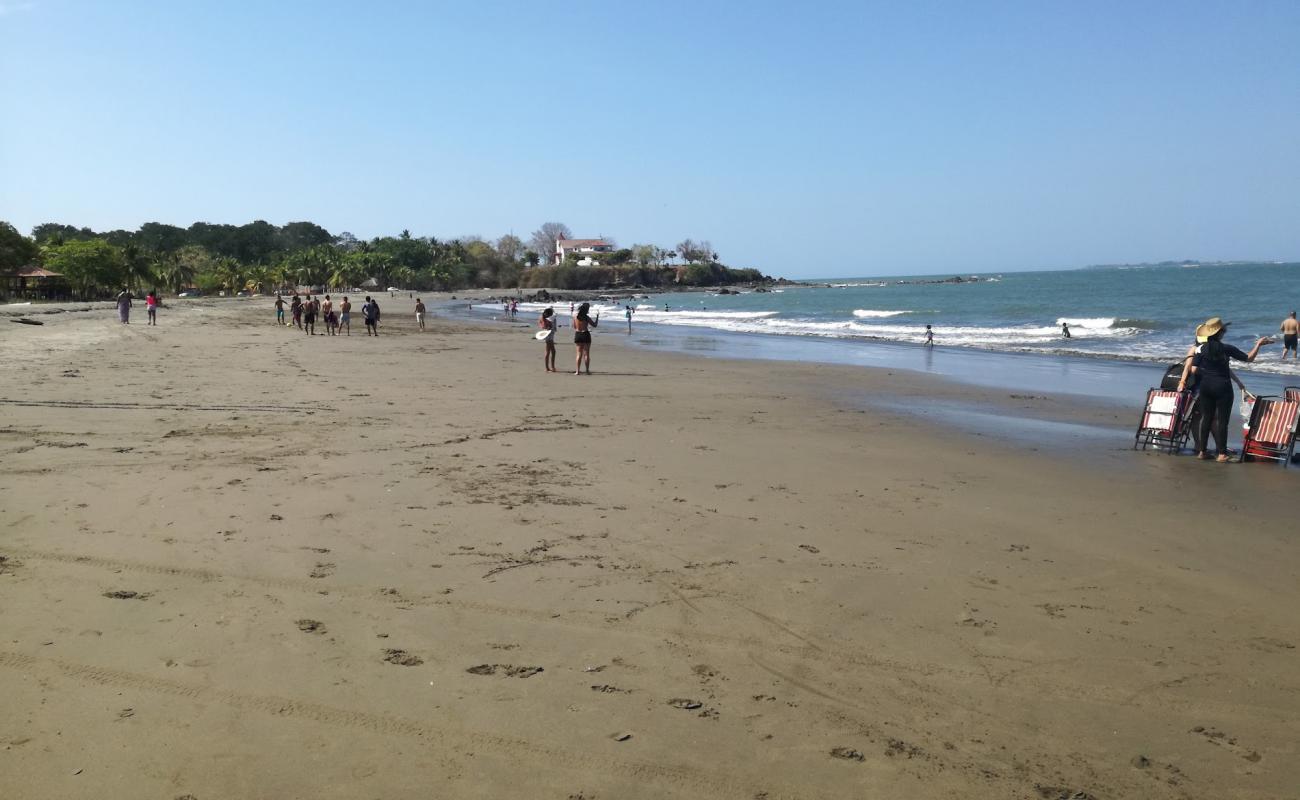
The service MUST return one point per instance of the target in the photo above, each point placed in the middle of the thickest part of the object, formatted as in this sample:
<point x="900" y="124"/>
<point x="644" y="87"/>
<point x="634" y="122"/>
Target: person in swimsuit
<point x="1065" y="330"/>
<point x="627" y="312"/>
<point x="929" y="337"/>
<point x="345" y="315"/>
<point x="309" y="309"/>
<point x="1210" y="364"/>
<point x="547" y="323"/>
<point x="1290" y="331"/>
<point x="151" y="307"/>
<point x="582" y="325"/>
<point x="295" y="308"/>
<point x="279" y="310"/>
<point x="419" y="313"/>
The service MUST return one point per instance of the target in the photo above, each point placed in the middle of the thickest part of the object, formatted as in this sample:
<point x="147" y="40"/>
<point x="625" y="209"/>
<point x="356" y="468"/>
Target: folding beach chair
<point x="1165" y="421"/>
<point x="1271" y="432"/>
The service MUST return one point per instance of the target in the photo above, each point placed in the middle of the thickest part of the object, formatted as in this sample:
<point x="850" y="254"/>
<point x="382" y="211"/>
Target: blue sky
<point x="805" y="139"/>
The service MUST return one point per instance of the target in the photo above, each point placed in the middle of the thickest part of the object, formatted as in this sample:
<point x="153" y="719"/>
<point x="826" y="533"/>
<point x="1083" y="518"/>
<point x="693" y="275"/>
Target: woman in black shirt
<point x="1215" y="399"/>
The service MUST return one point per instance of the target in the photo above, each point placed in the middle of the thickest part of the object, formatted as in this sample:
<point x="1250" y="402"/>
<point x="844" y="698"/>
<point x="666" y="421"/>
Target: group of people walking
<point x="338" y="321"/>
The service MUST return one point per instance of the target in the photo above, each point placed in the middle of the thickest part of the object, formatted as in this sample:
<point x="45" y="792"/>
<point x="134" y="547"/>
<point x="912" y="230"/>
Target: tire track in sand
<point x="711" y="784"/>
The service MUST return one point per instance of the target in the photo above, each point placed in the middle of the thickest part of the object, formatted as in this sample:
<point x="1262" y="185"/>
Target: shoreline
<point x="364" y="567"/>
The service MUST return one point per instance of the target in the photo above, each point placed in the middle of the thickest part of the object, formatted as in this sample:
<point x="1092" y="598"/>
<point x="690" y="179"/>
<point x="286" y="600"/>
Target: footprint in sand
<point x="509" y="670"/>
<point x="310" y="626"/>
<point x="402" y="658"/>
<point x="323" y="569"/>
<point x="126" y="594"/>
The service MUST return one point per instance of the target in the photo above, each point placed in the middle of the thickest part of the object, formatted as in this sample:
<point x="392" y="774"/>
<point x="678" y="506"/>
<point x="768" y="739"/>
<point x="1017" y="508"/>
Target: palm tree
<point x="173" y="272"/>
<point x="231" y="273"/>
<point x="136" y="267"/>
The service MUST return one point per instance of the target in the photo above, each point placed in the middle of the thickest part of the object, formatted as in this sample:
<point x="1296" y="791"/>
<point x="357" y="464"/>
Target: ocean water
<point x="1141" y="313"/>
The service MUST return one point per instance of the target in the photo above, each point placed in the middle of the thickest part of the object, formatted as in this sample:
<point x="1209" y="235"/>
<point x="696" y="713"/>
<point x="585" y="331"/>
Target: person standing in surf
<point x="582" y="325"/>
<point x="1290" y="331"/>
<point x="1065" y="329"/>
<point x="547" y="323"/>
<point x="929" y="337"/>
<point x="627" y="311"/>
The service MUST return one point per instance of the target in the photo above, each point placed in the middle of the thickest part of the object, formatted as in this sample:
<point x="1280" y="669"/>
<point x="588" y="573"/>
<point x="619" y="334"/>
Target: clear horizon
<point x="844" y="140"/>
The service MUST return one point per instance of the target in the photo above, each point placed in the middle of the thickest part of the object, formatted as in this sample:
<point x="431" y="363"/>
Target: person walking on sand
<point x="345" y="315"/>
<point x="151" y="307"/>
<point x="627" y="311"/>
<point x="309" y="316"/>
<point x="295" y="309"/>
<point x="582" y="325"/>
<point x="369" y="311"/>
<point x="1290" y="331"/>
<point x="419" y="313"/>
<point x="929" y="337"/>
<point x="279" y="310"/>
<point x="1214" y="402"/>
<point x="327" y="315"/>
<point x="547" y="323"/>
<point x="124" y="307"/>
<point x="1065" y="330"/>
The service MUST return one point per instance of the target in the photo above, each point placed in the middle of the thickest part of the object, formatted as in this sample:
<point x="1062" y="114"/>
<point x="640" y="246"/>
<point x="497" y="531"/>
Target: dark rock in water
<point x="762" y="290"/>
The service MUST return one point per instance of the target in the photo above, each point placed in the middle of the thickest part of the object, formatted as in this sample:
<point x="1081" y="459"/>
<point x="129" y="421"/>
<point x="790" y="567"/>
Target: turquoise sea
<point x="1137" y="313"/>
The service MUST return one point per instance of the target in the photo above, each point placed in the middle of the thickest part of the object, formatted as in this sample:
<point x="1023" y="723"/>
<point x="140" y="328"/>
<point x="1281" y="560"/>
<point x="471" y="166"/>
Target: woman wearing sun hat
<point x="1214" y="402"/>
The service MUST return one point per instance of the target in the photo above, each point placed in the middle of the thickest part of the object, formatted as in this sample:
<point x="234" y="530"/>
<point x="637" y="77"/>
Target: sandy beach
<point x="241" y="562"/>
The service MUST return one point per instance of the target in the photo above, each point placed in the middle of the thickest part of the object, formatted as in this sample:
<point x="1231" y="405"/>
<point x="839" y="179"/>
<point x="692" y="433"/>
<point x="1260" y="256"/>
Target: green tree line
<point x="262" y="257"/>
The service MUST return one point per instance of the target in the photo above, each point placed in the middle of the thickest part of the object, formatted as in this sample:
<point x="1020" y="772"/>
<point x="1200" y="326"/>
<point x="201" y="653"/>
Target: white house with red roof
<point x="583" y="249"/>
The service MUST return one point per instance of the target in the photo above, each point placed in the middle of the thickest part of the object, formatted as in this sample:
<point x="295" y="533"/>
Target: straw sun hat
<point x="1209" y="328"/>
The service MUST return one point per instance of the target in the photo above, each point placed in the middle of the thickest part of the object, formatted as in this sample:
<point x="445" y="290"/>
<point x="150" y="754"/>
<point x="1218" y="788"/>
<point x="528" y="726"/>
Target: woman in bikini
<point x="582" y="325"/>
<point x="547" y="323"/>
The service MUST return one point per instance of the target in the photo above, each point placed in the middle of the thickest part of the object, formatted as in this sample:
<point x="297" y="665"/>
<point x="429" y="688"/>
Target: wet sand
<point x="244" y="562"/>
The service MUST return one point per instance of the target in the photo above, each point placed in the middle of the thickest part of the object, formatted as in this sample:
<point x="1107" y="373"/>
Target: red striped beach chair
<point x="1272" y="429"/>
<point x="1164" y="423"/>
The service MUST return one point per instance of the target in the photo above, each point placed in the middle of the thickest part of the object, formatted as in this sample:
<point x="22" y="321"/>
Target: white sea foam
<point x="871" y="313"/>
<point x="1087" y="322"/>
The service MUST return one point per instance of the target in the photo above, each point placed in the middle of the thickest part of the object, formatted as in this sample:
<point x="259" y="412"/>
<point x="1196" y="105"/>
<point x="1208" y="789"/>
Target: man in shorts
<point x="371" y="313"/>
<point x="419" y="313"/>
<point x="345" y="315"/>
<point x="309" y="310"/>
<point x="1290" y="330"/>
<point x="279" y="310"/>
